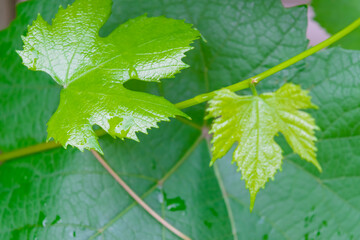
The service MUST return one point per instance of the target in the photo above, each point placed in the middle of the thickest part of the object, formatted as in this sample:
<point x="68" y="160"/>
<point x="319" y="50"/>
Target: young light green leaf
<point x="93" y="69"/>
<point x="253" y="121"/>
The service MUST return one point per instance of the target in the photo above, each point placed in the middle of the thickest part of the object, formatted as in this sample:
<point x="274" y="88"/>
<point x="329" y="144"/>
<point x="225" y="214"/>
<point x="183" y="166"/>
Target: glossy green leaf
<point x="252" y="122"/>
<point x="93" y="69"/>
<point x="333" y="15"/>
<point x="65" y="194"/>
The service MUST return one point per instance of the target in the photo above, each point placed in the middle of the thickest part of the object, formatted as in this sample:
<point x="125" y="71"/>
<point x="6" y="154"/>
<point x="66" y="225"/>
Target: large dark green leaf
<point x="65" y="194"/>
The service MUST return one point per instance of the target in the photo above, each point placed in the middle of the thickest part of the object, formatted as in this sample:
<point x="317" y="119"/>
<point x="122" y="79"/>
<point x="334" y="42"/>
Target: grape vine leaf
<point x="252" y="122"/>
<point x="93" y="69"/>
<point x="333" y="15"/>
<point x="65" y="194"/>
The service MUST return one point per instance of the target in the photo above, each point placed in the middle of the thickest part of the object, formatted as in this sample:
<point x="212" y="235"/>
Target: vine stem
<point x="257" y="78"/>
<point x="207" y="96"/>
<point x="137" y="198"/>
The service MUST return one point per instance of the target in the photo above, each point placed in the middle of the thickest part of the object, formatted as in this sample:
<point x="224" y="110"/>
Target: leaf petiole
<point x="252" y="85"/>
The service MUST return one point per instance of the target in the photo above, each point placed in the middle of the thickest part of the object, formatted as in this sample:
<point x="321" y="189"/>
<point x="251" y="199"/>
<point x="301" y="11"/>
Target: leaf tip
<point x="314" y="106"/>
<point x="49" y="138"/>
<point x="136" y="139"/>
<point x="318" y="166"/>
<point x="185" y="116"/>
<point x="252" y="199"/>
<point x="19" y="52"/>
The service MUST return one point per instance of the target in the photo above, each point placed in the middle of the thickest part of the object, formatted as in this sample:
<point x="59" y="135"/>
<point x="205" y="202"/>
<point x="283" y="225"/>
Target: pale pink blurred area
<point x="7" y="12"/>
<point x="315" y="33"/>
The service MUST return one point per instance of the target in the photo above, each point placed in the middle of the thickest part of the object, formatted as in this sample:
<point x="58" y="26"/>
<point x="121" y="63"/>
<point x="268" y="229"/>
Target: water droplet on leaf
<point x="42" y="219"/>
<point x="56" y="220"/>
<point x="133" y="73"/>
<point x="174" y="204"/>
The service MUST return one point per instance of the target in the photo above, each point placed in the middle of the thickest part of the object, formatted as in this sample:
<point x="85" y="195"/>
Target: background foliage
<point x="65" y="194"/>
<point x="333" y="15"/>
